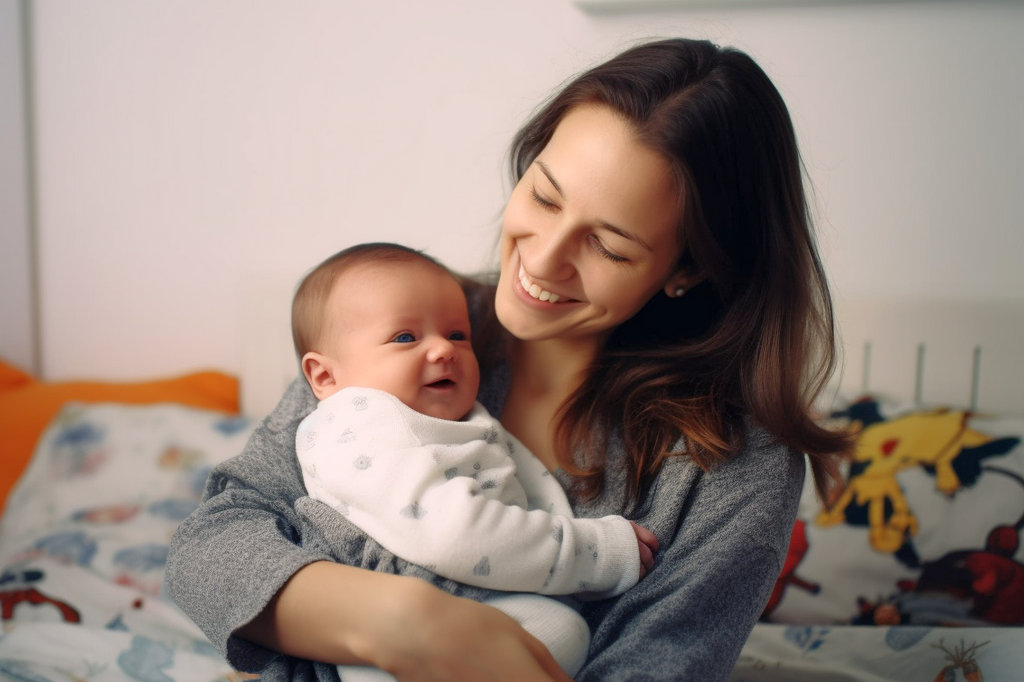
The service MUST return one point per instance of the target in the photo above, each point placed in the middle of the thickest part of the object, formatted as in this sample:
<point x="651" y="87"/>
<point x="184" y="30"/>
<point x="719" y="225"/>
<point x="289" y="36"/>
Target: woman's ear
<point x="320" y="373"/>
<point x="679" y="282"/>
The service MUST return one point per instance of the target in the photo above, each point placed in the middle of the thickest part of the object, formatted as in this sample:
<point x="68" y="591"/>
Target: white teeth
<point x="535" y="290"/>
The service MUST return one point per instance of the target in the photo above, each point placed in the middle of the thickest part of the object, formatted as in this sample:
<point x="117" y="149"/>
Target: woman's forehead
<point x="596" y="161"/>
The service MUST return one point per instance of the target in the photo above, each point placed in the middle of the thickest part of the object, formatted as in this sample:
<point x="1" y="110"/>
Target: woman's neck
<point x="544" y="375"/>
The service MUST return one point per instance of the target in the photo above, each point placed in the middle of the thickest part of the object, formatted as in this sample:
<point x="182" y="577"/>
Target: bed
<point x="914" y="575"/>
<point x="105" y="472"/>
<point x="914" y="572"/>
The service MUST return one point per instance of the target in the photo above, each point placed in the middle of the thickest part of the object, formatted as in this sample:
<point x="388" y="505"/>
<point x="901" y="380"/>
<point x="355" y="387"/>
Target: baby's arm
<point x="489" y="543"/>
<point x="433" y="506"/>
<point x="457" y="529"/>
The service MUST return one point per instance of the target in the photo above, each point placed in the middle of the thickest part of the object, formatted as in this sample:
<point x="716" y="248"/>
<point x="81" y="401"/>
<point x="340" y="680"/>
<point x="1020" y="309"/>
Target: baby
<point x="400" y="447"/>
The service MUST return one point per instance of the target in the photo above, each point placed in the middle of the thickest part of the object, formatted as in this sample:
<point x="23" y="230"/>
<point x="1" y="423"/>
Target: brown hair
<point x="756" y="337"/>
<point x="315" y="288"/>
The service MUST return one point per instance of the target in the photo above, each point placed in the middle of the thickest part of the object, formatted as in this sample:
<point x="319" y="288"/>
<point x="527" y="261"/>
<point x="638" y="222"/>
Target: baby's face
<point x="404" y="328"/>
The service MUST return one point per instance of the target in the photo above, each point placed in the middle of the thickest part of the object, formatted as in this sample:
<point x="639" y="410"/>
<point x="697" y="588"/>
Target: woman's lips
<point x="537" y="292"/>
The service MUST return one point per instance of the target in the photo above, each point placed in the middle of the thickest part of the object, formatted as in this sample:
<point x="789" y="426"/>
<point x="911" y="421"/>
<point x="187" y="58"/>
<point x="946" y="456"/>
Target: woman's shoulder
<point x="763" y="468"/>
<point x="755" y="491"/>
<point x="268" y="460"/>
<point x="297" y="402"/>
<point x="762" y="451"/>
<point x="760" y="456"/>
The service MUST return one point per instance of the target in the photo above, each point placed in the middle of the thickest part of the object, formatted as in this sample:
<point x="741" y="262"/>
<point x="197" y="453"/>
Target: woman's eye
<point x="404" y="337"/>
<point x="541" y="201"/>
<point x="604" y="252"/>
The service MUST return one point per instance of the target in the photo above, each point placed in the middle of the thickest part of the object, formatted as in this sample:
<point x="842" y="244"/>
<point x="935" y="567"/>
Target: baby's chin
<point x="451" y="414"/>
<point x="448" y="408"/>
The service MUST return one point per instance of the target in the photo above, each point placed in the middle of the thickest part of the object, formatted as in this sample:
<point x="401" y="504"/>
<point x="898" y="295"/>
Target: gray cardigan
<point x="723" y="537"/>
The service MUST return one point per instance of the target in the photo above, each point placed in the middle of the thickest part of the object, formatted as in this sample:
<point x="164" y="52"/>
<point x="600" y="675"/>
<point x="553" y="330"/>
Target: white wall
<point x="184" y="147"/>
<point x="17" y="339"/>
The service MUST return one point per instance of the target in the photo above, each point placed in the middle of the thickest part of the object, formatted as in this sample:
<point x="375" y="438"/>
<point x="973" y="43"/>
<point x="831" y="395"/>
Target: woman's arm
<point x="429" y="634"/>
<point x="237" y="569"/>
<point x="723" y="540"/>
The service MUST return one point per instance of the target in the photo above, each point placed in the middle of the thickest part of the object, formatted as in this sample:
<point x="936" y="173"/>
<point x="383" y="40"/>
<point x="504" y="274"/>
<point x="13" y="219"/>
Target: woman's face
<point x="589" y="233"/>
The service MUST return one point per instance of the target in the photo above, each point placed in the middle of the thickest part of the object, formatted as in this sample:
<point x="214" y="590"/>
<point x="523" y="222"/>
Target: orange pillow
<point x="27" y="405"/>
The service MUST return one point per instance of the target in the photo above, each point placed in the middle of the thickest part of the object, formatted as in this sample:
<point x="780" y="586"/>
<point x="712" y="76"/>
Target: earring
<point x="678" y="292"/>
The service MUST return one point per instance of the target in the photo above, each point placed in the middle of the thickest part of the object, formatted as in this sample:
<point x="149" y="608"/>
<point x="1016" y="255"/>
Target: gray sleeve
<point x="723" y="540"/>
<point x="253" y="531"/>
<point x="232" y="555"/>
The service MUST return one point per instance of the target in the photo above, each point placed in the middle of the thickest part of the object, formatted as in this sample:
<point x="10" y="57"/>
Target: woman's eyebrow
<point x="606" y="225"/>
<point x="551" y="178"/>
<point x="624" y="234"/>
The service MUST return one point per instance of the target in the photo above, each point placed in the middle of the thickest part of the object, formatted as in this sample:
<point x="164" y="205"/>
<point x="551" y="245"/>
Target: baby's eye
<point x="457" y="336"/>
<point x="404" y="337"/>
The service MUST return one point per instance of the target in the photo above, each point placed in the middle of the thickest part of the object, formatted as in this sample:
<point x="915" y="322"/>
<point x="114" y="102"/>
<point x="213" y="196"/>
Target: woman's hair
<point x="310" y="300"/>
<point x="756" y="337"/>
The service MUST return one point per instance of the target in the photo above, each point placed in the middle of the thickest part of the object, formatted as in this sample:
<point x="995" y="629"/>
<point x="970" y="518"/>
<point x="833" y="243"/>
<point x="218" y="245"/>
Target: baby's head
<point x="387" y="317"/>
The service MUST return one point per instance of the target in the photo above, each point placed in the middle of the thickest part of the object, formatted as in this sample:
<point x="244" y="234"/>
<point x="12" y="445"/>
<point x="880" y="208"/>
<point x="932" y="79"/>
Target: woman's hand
<point x="435" y="637"/>
<point x="405" y="626"/>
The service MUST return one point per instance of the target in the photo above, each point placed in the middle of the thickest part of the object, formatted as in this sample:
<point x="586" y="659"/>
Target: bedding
<point x="83" y="542"/>
<point x="914" y="568"/>
<point x="27" y="404"/>
<point x="903" y="653"/>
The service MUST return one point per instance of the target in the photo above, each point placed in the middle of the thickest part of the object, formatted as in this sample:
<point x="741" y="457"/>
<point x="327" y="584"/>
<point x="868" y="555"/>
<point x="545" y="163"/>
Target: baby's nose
<point x="441" y="349"/>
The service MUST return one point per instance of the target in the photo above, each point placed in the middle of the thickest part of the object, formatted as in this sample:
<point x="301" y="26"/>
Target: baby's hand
<point x="648" y="545"/>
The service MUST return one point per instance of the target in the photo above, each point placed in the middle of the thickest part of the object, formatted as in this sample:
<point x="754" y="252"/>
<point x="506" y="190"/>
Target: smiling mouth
<point x="535" y="290"/>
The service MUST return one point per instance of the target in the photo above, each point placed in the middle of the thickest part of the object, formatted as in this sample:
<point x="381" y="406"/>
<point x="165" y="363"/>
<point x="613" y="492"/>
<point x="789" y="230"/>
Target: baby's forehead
<point x="410" y="268"/>
<point x="417" y="286"/>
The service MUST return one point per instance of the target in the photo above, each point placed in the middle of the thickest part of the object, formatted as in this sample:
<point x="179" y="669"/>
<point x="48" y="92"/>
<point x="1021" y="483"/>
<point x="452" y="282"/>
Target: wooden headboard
<point x="942" y="352"/>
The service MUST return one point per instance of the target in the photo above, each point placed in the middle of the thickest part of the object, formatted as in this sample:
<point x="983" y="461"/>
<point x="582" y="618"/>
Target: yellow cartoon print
<point x="883" y="449"/>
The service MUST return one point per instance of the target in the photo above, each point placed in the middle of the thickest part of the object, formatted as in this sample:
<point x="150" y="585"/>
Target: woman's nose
<point x="552" y="256"/>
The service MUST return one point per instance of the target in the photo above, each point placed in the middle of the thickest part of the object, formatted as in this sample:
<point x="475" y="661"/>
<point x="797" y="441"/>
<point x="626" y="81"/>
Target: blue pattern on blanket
<point x="73" y="547"/>
<point x="902" y="638"/>
<point x="84" y="541"/>
<point x="146" y="660"/>
<point x="20" y="672"/>
<point x="142" y="558"/>
<point x="176" y="510"/>
<point x="805" y="637"/>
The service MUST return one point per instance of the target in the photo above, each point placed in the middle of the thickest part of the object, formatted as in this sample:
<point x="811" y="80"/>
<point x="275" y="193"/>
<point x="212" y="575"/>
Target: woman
<point x="665" y="327"/>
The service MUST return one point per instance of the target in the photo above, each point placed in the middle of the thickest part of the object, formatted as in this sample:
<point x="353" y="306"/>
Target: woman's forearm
<point x="325" y="613"/>
<point x="350" y="616"/>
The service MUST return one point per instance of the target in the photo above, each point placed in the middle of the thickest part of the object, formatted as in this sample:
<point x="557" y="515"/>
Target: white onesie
<point x="465" y="500"/>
